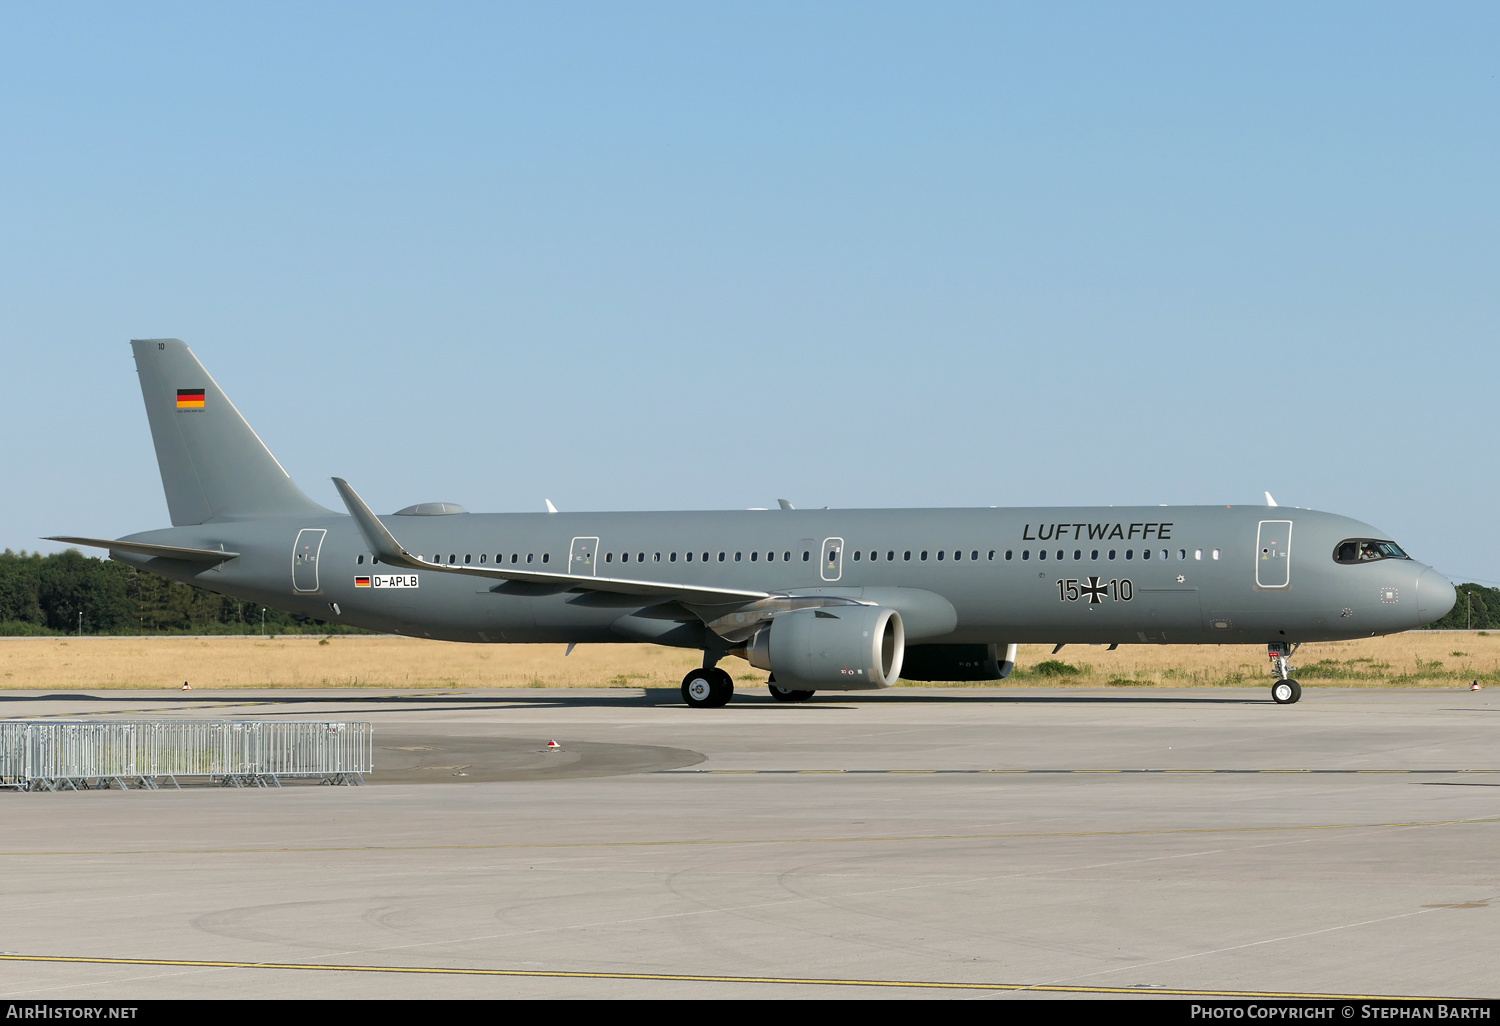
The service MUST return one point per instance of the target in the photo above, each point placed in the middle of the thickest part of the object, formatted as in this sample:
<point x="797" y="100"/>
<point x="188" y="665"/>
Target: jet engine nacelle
<point x="959" y="662"/>
<point x="841" y="648"/>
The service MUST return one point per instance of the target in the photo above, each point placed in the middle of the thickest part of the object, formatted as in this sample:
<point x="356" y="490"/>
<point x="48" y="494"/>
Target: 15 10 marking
<point x="1095" y="590"/>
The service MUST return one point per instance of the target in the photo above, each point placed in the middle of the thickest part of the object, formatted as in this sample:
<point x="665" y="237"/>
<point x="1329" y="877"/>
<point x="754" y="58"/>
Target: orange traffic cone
<point x="186" y="686"/>
<point x="553" y="746"/>
<point x="1475" y="686"/>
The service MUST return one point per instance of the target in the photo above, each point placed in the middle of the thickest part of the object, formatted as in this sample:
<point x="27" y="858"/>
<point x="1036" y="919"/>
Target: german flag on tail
<point x="190" y="398"/>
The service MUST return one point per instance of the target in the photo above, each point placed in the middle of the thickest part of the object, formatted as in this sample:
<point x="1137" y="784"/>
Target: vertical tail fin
<point x="213" y="464"/>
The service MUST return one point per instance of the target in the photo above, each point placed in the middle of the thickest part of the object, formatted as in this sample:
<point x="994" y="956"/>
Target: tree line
<point x="1477" y="607"/>
<point x="67" y="592"/>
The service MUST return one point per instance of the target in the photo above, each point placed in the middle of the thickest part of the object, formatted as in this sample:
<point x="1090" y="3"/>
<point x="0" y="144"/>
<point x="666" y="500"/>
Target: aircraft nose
<point x="1435" y="596"/>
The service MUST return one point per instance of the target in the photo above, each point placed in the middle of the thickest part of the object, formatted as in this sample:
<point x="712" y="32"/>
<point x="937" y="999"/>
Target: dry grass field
<point x="1448" y="660"/>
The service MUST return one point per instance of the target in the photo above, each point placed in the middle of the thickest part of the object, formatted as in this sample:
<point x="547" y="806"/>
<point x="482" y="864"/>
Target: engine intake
<point x="843" y="648"/>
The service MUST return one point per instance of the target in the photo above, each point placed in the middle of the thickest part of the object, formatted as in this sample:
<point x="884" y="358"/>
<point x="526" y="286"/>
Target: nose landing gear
<point x="1286" y="690"/>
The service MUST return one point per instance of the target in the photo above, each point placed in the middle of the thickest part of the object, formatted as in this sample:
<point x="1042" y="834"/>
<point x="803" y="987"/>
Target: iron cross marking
<point x="1093" y="590"/>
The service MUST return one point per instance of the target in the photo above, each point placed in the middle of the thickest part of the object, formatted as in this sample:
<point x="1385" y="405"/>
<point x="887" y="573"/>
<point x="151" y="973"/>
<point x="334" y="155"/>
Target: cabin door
<point x="582" y="555"/>
<point x="833" y="558"/>
<point x="305" y="559"/>
<point x="1273" y="554"/>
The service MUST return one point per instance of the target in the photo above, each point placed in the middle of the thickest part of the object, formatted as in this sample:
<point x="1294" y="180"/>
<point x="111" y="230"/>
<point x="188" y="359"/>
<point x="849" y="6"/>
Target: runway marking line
<point x="754" y="840"/>
<point x="696" y="978"/>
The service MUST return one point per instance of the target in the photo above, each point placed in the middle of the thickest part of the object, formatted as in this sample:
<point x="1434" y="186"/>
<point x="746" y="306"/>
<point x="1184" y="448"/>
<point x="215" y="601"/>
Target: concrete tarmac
<point x="912" y="843"/>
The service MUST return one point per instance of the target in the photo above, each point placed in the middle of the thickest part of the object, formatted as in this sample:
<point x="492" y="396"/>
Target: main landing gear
<point x="707" y="688"/>
<point x="782" y="694"/>
<point x="1286" y="690"/>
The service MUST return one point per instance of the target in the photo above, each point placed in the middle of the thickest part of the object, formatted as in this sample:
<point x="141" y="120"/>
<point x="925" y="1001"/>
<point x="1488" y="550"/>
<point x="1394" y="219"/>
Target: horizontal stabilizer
<point x="159" y="551"/>
<point x="388" y="550"/>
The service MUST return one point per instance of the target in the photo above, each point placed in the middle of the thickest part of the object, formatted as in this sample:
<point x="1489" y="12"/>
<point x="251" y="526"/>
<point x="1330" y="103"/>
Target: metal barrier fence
<point x="52" y="756"/>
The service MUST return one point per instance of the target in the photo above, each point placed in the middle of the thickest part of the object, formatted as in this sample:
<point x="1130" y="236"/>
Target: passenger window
<point x="806" y="555"/>
<point x="1025" y="553"/>
<point x="721" y="557"/>
<point x="452" y="558"/>
<point x="1130" y="553"/>
<point x="546" y="556"/>
<point x="483" y="556"/>
<point x="786" y="557"/>
<point x="1216" y="553"/>
<point x="656" y="557"/>
<point x="609" y="557"/>
<point x="1145" y="553"/>
<point x="1197" y="553"/>
<point x="468" y="558"/>
<point x="1008" y="552"/>
<point x="940" y="554"/>
<point x="736" y="557"/>
<point x="754" y="556"/>
<point x="689" y="557"/>
<point x="1111" y="553"/>
<point x="856" y="555"/>
<point x="672" y="558"/>
<point x="1094" y="554"/>
<point x="1077" y="554"/>
<point x="992" y="555"/>
<point x="1059" y="553"/>
<point x="1182" y="553"/>
<point x="361" y="559"/>
<point x="528" y="557"/>
<point x="771" y="557"/>
<point x="924" y="555"/>
<point x="705" y="557"/>
<point x="1041" y="553"/>
<point x="374" y="559"/>
<point x="907" y="557"/>
<point x="975" y="554"/>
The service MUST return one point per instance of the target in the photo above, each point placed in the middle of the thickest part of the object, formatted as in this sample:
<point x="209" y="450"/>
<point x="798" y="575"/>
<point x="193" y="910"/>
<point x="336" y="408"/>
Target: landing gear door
<point x="1273" y="554"/>
<point x="833" y="558"/>
<point x="582" y="556"/>
<point x="305" y="559"/>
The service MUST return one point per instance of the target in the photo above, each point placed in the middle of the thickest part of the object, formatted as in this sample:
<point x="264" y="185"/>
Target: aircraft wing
<point x="147" y="549"/>
<point x="391" y="552"/>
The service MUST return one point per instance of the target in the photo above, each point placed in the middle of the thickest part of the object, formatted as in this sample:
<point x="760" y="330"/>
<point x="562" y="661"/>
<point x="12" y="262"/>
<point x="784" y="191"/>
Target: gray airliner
<point x="824" y="600"/>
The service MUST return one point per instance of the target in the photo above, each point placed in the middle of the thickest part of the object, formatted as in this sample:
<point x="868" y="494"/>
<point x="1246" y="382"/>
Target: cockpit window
<point x="1367" y="550"/>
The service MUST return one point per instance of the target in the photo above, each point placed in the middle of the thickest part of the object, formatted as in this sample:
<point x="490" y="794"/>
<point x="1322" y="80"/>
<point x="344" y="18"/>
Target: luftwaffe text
<point x="1095" y="532"/>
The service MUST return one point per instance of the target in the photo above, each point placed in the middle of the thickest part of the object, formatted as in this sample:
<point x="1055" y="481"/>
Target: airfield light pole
<point x="80" y="623"/>
<point x="1469" y="601"/>
<point x="263" y="621"/>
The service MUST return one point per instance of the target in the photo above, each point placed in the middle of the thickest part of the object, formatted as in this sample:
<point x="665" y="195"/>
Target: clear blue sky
<point x="698" y="255"/>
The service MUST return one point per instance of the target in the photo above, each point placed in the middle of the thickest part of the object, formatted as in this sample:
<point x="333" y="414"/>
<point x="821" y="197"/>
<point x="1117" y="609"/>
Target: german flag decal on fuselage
<point x="190" y="398"/>
<point x="386" y="581"/>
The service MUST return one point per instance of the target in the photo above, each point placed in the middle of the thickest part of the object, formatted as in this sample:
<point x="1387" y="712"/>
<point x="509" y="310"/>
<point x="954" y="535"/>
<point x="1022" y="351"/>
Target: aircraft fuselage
<point x="1094" y="575"/>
